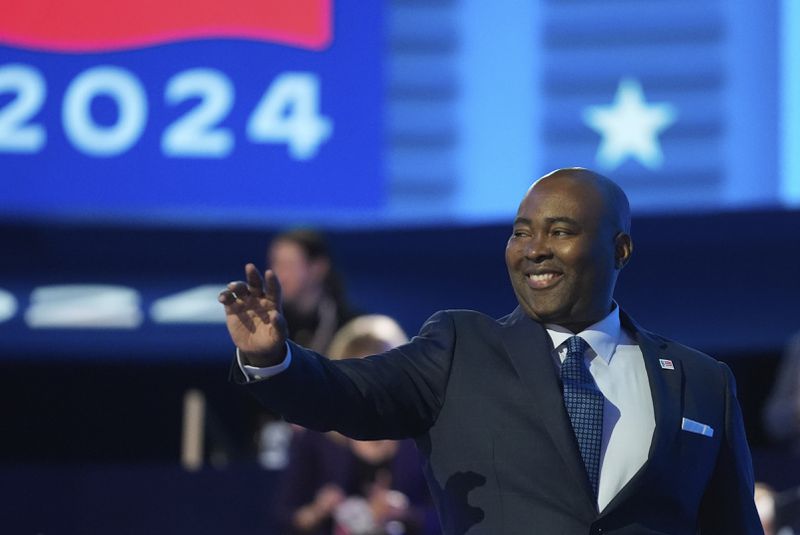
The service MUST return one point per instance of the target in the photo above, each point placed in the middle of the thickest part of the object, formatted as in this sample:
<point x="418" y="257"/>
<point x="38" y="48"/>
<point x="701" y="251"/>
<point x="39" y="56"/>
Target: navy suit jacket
<point x="482" y="399"/>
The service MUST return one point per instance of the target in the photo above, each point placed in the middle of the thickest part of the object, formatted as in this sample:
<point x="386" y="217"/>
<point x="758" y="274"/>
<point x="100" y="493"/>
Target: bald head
<point x="569" y="242"/>
<point x="617" y="207"/>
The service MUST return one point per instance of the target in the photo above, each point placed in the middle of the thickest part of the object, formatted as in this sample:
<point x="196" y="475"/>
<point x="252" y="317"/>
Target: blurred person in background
<point x="782" y="410"/>
<point x="314" y="300"/>
<point x="337" y="485"/>
<point x="315" y="307"/>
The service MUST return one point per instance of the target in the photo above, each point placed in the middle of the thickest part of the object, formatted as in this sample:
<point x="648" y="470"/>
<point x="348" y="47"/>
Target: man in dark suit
<point x="564" y="417"/>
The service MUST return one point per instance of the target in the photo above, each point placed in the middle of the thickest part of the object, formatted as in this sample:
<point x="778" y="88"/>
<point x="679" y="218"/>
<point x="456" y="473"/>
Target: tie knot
<point x="576" y="344"/>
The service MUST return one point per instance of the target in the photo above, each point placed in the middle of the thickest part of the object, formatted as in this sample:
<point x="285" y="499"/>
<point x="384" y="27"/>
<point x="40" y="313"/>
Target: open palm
<point x="254" y="316"/>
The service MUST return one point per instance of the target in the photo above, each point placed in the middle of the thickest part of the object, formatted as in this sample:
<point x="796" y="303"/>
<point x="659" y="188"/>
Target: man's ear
<point x="623" y="248"/>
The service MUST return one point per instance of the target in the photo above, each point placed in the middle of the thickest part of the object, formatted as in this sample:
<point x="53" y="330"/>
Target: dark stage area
<point x="92" y="419"/>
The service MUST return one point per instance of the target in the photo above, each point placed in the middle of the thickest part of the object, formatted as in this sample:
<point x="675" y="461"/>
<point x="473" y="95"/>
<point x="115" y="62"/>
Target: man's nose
<point x="538" y="248"/>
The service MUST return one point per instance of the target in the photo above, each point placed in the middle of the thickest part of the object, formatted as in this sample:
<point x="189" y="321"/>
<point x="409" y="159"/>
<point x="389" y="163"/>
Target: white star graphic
<point x="630" y="127"/>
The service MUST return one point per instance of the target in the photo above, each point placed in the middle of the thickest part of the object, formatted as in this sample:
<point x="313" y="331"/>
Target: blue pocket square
<point x="696" y="427"/>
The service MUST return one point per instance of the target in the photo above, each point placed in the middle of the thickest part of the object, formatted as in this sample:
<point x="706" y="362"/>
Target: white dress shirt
<point x="617" y="365"/>
<point x="254" y="373"/>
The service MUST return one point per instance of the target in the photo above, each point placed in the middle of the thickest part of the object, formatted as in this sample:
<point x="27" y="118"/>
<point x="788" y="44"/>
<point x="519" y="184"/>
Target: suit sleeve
<point x="393" y="395"/>
<point x="728" y="507"/>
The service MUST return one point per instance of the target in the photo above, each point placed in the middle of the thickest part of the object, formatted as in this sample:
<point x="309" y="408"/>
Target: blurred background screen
<point x="306" y="112"/>
<point x="147" y="150"/>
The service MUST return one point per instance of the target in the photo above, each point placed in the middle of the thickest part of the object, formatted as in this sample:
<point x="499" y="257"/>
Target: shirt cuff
<point x="254" y="373"/>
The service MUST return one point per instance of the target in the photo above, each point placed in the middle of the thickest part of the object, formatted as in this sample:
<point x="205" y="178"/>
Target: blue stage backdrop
<point x="276" y="112"/>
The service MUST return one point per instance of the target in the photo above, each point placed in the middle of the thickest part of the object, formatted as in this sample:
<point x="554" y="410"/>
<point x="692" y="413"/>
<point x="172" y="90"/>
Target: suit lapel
<point x="530" y="350"/>
<point x="666" y="391"/>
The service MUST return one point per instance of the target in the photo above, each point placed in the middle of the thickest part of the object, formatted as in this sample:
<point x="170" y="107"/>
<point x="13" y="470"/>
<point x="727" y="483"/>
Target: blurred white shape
<point x="274" y="439"/>
<point x="630" y="127"/>
<point x="354" y="515"/>
<point x="8" y="305"/>
<point x="198" y="305"/>
<point x="84" y="306"/>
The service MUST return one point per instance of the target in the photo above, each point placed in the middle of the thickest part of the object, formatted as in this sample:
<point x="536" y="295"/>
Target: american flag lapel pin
<point x="666" y="364"/>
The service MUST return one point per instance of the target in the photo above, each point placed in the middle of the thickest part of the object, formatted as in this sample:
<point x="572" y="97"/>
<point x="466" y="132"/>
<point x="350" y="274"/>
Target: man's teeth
<point x="542" y="277"/>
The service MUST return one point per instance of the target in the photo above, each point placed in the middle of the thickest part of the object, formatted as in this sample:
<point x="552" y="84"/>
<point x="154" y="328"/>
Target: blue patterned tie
<point x="584" y="403"/>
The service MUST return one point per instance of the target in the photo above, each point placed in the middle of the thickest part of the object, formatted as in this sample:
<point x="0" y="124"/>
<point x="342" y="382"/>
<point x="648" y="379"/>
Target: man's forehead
<point x="579" y="193"/>
<point x="558" y="200"/>
<point x="570" y="193"/>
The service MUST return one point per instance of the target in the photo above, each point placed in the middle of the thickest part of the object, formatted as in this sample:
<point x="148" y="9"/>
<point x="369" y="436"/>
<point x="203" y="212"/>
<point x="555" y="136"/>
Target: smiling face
<point x="568" y="244"/>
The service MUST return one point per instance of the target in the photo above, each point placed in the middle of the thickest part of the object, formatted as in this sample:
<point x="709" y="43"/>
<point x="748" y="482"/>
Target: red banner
<point x="105" y="25"/>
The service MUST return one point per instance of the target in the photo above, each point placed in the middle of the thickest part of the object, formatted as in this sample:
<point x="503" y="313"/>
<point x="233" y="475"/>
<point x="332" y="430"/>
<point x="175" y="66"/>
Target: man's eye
<point x="561" y="232"/>
<point x="519" y="234"/>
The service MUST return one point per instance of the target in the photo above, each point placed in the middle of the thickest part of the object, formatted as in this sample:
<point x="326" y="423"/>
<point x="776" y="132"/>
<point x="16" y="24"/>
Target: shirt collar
<point x="602" y="336"/>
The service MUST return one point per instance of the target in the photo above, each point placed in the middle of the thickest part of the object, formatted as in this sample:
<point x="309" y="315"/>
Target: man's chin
<point x="544" y="314"/>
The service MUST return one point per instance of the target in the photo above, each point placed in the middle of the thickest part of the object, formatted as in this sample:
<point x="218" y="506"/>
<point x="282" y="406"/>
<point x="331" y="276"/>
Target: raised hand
<point x="254" y="316"/>
<point x="309" y="517"/>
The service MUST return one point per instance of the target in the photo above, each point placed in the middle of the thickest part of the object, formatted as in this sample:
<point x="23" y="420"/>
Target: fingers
<point x="257" y="295"/>
<point x="236" y="291"/>
<point x="255" y="285"/>
<point x="226" y="297"/>
<point x="273" y="287"/>
<point x="239" y="290"/>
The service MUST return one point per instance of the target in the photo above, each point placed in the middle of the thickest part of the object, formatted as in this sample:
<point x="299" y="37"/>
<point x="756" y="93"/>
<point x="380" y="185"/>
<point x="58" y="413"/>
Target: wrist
<point x="261" y="359"/>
